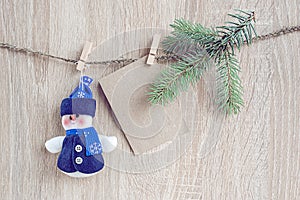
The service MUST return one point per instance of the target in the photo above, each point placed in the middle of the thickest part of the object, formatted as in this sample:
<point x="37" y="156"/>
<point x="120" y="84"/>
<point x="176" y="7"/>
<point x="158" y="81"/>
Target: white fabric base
<point x="79" y="174"/>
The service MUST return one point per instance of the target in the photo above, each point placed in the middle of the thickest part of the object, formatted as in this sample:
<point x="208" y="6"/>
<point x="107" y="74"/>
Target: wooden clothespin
<point x="84" y="55"/>
<point x="153" y="50"/>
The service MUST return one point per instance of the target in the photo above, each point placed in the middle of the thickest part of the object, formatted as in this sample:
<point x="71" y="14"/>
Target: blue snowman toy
<point x="81" y="148"/>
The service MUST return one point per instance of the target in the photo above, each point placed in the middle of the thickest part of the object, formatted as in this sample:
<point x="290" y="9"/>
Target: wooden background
<point x="257" y="152"/>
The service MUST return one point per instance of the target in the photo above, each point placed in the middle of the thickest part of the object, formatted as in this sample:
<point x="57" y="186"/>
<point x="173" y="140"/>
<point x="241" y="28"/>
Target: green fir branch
<point x="178" y="77"/>
<point x="233" y="34"/>
<point x="229" y="88"/>
<point x="219" y="43"/>
<point x="187" y="34"/>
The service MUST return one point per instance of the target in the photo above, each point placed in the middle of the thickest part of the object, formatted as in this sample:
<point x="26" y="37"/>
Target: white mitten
<point x="109" y="143"/>
<point x="54" y="145"/>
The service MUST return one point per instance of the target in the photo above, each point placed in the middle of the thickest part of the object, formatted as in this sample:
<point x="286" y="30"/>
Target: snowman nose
<point x="72" y="117"/>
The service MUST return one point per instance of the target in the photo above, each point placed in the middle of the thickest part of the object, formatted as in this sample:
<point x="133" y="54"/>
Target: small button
<point x="78" y="148"/>
<point x="78" y="160"/>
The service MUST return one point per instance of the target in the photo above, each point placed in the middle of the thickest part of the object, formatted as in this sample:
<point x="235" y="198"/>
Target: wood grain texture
<point x="257" y="152"/>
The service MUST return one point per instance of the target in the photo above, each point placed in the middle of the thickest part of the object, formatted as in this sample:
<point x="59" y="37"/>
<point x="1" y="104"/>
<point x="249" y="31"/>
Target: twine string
<point x="26" y="50"/>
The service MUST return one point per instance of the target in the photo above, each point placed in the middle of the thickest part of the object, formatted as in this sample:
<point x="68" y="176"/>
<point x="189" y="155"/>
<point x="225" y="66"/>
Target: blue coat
<point x="73" y="156"/>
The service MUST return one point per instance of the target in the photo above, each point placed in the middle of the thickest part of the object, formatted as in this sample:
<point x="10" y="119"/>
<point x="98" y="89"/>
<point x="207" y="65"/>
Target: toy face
<point x="76" y="121"/>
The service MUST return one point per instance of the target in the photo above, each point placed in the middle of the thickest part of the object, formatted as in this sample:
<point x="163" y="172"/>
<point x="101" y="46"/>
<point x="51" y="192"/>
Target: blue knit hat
<point x="81" y="100"/>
